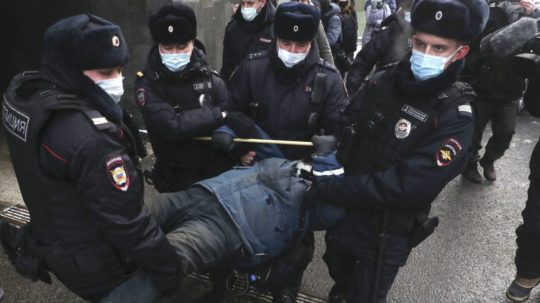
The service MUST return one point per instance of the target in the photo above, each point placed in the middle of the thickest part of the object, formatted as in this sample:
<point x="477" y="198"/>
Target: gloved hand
<point x="241" y="124"/>
<point x="323" y="145"/>
<point x="223" y="141"/>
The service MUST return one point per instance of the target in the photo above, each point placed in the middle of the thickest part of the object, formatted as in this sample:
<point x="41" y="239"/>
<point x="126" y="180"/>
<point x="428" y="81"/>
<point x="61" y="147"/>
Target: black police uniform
<point x="405" y="140"/>
<point x="77" y="167"/>
<point x="289" y="103"/>
<point x="176" y="107"/>
<point x="244" y="37"/>
<point x="387" y="47"/>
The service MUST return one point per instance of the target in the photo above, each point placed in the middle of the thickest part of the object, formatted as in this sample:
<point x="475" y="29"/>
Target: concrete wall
<point x="23" y="23"/>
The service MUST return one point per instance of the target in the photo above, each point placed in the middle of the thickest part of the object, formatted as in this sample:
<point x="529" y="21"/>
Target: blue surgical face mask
<point x="249" y="13"/>
<point x="426" y="66"/>
<point x="175" y="62"/>
<point x="113" y="87"/>
<point x="290" y="59"/>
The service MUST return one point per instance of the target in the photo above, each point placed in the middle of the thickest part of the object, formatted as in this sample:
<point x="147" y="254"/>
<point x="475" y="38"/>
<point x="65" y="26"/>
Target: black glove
<point x="323" y="145"/>
<point x="223" y="141"/>
<point x="241" y="124"/>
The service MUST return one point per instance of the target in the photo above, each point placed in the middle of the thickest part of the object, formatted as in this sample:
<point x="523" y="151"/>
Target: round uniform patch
<point x="141" y="96"/>
<point x="448" y="152"/>
<point x="117" y="173"/>
<point x="403" y="128"/>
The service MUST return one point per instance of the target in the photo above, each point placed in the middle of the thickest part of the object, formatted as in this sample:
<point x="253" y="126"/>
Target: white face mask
<point x="249" y="13"/>
<point x="175" y="62"/>
<point x="290" y="59"/>
<point x="113" y="87"/>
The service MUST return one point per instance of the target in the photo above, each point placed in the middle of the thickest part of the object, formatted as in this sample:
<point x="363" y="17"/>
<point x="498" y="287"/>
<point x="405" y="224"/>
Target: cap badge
<point x="171" y="29"/>
<point x="295" y="28"/>
<point x="115" y="41"/>
<point x="438" y="15"/>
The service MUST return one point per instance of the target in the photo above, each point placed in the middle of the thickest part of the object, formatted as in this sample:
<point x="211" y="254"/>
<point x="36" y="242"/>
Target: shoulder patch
<point x="448" y="152"/>
<point x="116" y="171"/>
<point x="141" y="96"/>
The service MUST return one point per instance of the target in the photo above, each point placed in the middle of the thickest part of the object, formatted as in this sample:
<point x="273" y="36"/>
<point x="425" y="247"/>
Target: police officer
<point x="77" y="167"/>
<point x="407" y="136"/>
<point x="181" y="97"/>
<point x="499" y="85"/>
<point x="250" y="30"/>
<point x="289" y="91"/>
<point x="387" y="47"/>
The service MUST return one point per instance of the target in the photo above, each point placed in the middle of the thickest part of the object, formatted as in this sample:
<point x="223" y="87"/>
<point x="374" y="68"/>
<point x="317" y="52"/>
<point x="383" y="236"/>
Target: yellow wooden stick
<point x="263" y="141"/>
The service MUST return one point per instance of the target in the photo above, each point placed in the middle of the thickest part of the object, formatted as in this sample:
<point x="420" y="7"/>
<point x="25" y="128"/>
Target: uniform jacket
<point x="85" y="195"/>
<point x="387" y="47"/>
<point x="417" y="146"/>
<point x="178" y="107"/>
<point x="280" y="98"/>
<point x="242" y="38"/>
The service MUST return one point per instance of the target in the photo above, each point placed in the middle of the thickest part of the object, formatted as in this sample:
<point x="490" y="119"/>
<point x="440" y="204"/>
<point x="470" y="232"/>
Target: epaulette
<point x="257" y="55"/>
<point x="215" y="73"/>
<point x="326" y="64"/>
<point x="460" y="94"/>
<point x="140" y="74"/>
<point x="99" y="121"/>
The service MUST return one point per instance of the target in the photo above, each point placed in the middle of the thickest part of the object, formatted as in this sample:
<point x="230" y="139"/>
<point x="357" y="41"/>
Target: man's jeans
<point x="137" y="289"/>
<point x="198" y="226"/>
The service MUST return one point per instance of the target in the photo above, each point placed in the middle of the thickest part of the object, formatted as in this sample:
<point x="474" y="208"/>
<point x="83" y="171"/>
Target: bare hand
<point x="528" y="6"/>
<point x="248" y="158"/>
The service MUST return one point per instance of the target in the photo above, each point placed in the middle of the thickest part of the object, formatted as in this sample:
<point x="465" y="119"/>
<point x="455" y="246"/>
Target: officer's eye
<point x="440" y="48"/>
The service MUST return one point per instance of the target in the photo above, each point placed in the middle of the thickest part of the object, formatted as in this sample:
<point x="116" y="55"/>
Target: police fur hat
<point x="296" y="21"/>
<point x="462" y="20"/>
<point x="173" y="23"/>
<point x="87" y="42"/>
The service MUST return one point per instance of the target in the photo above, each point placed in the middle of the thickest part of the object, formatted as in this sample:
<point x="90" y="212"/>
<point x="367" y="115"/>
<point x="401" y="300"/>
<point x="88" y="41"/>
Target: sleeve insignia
<point x="117" y="174"/>
<point x="448" y="152"/>
<point x="141" y="96"/>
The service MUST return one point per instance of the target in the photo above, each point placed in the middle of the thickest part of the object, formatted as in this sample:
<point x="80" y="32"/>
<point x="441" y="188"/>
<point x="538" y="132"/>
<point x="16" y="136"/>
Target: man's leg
<point x="503" y="125"/>
<point x="137" y="289"/>
<point x="483" y="112"/>
<point x="295" y="261"/>
<point x="528" y="252"/>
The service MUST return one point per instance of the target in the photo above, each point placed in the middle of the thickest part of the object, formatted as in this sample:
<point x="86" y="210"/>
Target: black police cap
<point x="173" y="23"/>
<point x="462" y="20"/>
<point x="87" y="42"/>
<point x="296" y="21"/>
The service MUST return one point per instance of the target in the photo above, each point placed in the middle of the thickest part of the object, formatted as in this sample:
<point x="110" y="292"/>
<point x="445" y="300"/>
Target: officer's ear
<point x="461" y="53"/>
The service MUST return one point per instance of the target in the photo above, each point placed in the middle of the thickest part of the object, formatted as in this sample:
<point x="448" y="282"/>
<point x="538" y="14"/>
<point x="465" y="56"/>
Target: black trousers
<point x="354" y="274"/>
<point x="528" y="234"/>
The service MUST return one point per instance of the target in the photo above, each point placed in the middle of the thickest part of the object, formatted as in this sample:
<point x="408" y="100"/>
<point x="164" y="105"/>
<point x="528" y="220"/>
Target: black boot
<point x="489" y="169"/>
<point x="471" y="173"/>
